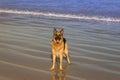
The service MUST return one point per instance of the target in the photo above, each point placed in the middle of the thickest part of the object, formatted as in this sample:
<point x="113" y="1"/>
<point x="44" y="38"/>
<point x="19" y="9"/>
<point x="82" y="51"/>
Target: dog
<point x="59" y="48"/>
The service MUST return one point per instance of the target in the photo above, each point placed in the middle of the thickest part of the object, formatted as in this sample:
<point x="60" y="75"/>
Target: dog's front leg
<point x="53" y="62"/>
<point x="61" y="58"/>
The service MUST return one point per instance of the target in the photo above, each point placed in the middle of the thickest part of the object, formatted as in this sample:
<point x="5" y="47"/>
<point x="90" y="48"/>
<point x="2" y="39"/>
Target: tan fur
<point x="59" y="48"/>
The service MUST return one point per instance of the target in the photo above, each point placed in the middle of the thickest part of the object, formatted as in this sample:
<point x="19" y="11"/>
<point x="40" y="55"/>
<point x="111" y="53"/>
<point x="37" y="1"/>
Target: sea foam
<point x="58" y="15"/>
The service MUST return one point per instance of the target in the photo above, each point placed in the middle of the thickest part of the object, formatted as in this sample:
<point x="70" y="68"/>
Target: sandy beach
<point x="25" y="49"/>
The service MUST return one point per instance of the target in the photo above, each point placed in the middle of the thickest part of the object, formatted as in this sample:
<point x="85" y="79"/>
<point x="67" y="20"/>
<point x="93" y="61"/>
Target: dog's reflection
<point x="57" y="74"/>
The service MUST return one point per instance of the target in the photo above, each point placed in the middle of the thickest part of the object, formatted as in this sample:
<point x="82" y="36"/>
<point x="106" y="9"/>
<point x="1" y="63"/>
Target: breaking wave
<point x="58" y="15"/>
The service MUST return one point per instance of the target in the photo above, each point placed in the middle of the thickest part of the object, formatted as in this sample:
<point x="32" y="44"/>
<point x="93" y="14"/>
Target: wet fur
<point x="59" y="48"/>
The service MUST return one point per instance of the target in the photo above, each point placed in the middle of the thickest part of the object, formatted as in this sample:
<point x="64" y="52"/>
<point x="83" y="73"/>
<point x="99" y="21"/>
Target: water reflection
<point x="60" y="75"/>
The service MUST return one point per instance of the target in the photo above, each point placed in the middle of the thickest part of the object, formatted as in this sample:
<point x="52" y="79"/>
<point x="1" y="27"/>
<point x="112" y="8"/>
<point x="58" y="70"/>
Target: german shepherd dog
<point x="59" y="48"/>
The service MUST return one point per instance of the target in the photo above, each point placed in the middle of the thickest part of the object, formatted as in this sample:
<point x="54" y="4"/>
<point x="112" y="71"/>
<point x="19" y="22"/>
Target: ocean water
<point x="97" y="10"/>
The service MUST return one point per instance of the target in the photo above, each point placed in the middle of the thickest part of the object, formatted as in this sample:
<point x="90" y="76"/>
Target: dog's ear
<point x="62" y="31"/>
<point x="54" y="30"/>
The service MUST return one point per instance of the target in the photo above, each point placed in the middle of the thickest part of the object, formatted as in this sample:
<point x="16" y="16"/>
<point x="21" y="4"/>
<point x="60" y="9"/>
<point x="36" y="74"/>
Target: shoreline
<point x="58" y="15"/>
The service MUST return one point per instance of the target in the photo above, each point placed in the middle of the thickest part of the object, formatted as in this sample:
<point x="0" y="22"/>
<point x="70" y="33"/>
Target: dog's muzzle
<point x="57" y="38"/>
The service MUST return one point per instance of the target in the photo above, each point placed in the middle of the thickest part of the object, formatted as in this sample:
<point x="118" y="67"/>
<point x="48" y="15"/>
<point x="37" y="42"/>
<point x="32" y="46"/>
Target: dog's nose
<point x="57" y="39"/>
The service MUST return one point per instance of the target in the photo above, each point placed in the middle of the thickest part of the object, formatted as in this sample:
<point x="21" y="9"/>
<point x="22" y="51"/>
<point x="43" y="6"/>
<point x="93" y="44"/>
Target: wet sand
<point x="25" y="49"/>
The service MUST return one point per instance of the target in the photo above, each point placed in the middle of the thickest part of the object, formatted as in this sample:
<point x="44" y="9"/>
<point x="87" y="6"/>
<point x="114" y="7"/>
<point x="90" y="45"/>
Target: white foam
<point x="82" y="17"/>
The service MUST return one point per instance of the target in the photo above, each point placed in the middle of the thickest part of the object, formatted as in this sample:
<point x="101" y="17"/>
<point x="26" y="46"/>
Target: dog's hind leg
<point x="67" y="53"/>
<point x="68" y="59"/>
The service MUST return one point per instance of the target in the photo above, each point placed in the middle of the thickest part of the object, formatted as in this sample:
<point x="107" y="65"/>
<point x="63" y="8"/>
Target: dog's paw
<point x="51" y="69"/>
<point x="69" y="63"/>
<point x="61" y="68"/>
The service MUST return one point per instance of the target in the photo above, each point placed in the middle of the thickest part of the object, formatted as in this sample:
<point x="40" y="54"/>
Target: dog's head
<point x="58" y="35"/>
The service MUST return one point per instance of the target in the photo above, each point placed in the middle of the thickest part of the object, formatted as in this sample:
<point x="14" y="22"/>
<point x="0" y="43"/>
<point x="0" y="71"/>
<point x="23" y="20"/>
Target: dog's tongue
<point x="57" y="41"/>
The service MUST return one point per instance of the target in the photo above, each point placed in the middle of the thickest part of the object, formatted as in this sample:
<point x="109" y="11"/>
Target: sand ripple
<point x="28" y="49"/>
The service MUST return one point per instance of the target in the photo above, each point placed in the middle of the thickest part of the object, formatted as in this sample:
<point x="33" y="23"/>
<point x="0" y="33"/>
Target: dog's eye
<point x="57" y="35"/>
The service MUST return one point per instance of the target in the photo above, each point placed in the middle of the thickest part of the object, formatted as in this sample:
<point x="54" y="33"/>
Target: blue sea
<point x="98" y="10"/>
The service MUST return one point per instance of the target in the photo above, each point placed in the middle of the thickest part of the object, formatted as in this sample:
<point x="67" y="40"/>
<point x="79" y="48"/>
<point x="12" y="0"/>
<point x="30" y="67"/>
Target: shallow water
<point x="25" y="49"/>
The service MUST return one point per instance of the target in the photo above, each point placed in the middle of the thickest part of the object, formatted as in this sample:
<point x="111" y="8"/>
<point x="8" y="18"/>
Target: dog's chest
<point x="58" y="54"/>
<point x="58" y="49"/>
